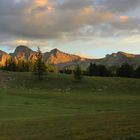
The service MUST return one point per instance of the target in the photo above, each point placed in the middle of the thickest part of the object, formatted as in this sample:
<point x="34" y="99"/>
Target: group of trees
<point x="125" y="70"/>
<point x="97" y="70"/>
<point x="20" y="66"/>
<point x="39" y="68"/>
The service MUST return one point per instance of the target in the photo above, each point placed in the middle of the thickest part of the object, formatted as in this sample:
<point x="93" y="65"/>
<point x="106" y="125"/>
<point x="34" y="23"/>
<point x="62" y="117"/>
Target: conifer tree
<point x="125" y="70"/>
<point x="92" y="70"/>
<point x="137" y="72"/>
<point x="78" y="73"/>
<point x="39" y="67"/>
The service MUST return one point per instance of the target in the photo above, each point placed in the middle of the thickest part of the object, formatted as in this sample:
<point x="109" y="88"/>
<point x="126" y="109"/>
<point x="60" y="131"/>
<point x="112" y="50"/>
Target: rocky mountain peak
<point x="120" y="55"/>
<point x="128" y="55"/>
<point x="24" y="53"/>
<point x="59" y="58"/>
<point x="55" y="51"/>
<point x="1" y="52"/>
<point x="3" y="57"/>
<point x="22" y="48"/>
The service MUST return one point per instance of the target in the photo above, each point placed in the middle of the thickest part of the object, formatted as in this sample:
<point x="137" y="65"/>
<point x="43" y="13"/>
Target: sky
<point x="89" y="28"/>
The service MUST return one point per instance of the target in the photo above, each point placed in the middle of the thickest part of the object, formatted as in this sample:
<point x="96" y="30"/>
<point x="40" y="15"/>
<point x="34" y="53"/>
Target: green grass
<point x="58" y="108"/>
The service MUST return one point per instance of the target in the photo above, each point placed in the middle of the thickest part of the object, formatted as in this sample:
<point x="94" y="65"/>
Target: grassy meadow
<point x="58" y="108"/>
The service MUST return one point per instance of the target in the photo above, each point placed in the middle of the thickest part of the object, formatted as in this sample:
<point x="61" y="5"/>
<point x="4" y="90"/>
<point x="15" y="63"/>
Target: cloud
<point x="127" y="25"/>
<point x="118" y="6"/>
<point x="124" y="19"/>
<point x="23" y="42"/>
<point x="57" y="19"/>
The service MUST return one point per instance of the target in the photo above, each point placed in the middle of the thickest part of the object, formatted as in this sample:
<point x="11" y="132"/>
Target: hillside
<point x="115" y="59"/>
<point x="55" y="56"/>
<point x="120" y="58"/>
<point x="3" y="57"/>
<point x="58" y="57"/>
<point x="58" y="108"/>
<point x="61" y="59"/>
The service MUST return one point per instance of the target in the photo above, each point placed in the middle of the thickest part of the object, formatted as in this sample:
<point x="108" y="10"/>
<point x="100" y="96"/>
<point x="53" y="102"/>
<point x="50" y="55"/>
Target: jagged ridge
<point x="55" y="56"/>
<point x="60" y="58"/>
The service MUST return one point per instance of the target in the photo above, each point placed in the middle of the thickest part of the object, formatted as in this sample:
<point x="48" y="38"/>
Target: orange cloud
<point x="87" y="12"/>
<point x="38" y="4"/>
<point x="84" y="14"/>
<point x="23" y="42"/>
<point x="41" y="2"/>
<point x="123" y="18"/>
<point x="107" y="17"/>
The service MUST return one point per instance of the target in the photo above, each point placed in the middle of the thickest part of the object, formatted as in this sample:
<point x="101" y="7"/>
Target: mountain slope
<point x="117" y="59"/>
<point x="59" y="58"/>
<point x="55" y="56"/>
<point x="3" y="57"/>
<point x="23" y="53"/>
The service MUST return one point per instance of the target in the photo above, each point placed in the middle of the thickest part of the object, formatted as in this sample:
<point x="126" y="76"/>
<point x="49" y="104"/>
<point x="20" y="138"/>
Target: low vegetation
<point x="60" y="108"/>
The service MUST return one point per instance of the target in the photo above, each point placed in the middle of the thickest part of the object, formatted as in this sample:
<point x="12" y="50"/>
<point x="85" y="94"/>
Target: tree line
<point x="39" y="67"/>
<point x="125" y="70"/>
<point x="20" y="66"/>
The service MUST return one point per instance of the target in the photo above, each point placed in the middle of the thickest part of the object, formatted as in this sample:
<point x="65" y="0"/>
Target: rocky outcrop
<point x="117" y="59"/>
<point x="23" y="53"/>
<point x="3" y="57"/>
<point x="57" y="57"/>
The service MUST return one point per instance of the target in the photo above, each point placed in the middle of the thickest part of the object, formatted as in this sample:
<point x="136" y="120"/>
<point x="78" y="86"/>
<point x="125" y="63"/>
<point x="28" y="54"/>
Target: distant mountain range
<point x="61" y="59"/>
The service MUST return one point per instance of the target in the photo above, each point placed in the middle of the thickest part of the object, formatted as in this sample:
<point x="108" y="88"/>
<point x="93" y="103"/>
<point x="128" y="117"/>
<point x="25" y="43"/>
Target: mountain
<point x="117" y="59"/>
<point x="57" y="57"/>
<point x="23" y="53"/>
<point x="61" y="59"/>
<point x="3" y="57"/>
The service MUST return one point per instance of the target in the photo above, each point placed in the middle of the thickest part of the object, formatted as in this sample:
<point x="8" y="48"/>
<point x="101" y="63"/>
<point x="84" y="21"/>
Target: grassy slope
<point x="58" y="108"/>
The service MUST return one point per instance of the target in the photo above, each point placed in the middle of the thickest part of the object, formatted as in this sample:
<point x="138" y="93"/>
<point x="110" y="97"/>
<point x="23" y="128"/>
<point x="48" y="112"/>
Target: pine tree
<point x="12" y="66"/>
<point x="92" y="70"/>
<point x="102" y="70"/>
<point x="39" y="67"/>
<point x="137" y="72"/>
<point x="97" y="70"/>
<point x="78" y="73"/>
<point x="6" y="65"/>
<point x="125" y="70"/>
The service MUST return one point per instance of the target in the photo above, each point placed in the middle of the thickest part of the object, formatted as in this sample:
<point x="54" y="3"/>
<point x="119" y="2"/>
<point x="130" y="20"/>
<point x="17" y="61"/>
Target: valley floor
<point x="58" y="108"/>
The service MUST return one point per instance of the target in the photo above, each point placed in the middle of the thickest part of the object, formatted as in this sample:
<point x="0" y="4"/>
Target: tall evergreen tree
<point x="92" y="70"/>
<point x="137" y="72"/>
<point x="5" y="67"/>
<point x="39" y="67"/>
<point x="78" y="73"/>
<point x="102" y="70"/>
<point x="97" y="70"/>
<point x="11" y="65"/>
